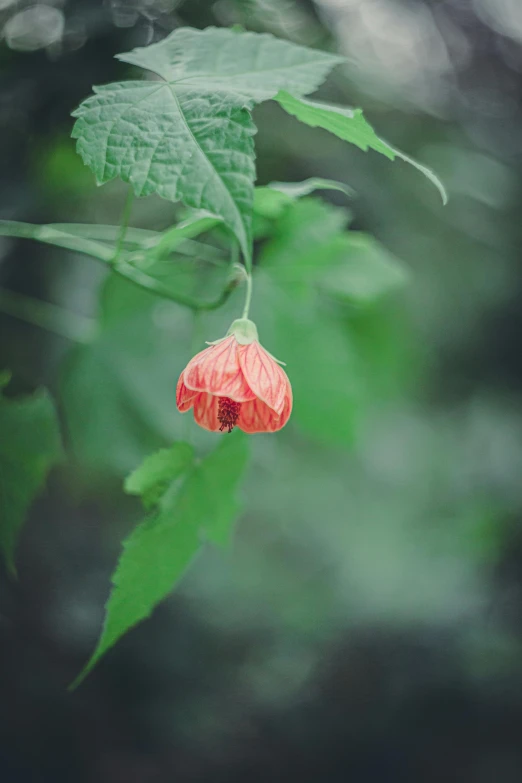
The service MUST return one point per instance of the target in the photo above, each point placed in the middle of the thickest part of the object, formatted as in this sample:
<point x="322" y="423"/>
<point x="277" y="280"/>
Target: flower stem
<point x="248" y="295"/>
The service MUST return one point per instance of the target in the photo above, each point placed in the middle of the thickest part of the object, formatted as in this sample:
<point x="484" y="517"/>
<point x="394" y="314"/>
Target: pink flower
<point x="236" y="383"/>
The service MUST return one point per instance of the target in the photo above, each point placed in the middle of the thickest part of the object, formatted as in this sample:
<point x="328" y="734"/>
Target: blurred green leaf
<point x="197" y="504"/>
<point x="152" y="478"/>
<point x="310" y="245"/>
<point x="5" y="378"/>
<point x="272" y="200"/>
<point x="364" y="270"/>
<point x="350" y="125"/>
<point x="118" y="391"/>
<point x="29" y="447"/>
<point x="302" y="242"/>
<point x="308" y="186"/>
<point x="322" y="364"/>
<point x="269" y="203"/>
<point x="310" y="252"/>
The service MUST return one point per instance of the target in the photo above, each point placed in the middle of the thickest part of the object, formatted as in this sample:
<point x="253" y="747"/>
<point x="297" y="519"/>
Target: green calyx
<point x="244" y="330"/>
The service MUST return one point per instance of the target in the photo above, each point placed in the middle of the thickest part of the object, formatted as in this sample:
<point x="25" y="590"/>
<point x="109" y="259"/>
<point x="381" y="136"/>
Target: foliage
<point x="193" y="502"/>
<point x="186" y="134"/>
<point x="189" y="136"/>
<point x="30" y="446"/>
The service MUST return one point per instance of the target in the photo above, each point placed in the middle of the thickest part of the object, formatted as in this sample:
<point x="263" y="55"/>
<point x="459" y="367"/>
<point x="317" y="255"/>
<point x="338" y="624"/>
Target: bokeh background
<point x="367" y="624"/>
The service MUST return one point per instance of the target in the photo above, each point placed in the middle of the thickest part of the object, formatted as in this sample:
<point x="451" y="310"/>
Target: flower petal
<point x="257" y="416"/>
<point x="264" y="376"/>
<point x="216" y="370"/>
<point x="206" y="408"/>
<point x="184" y="397"/>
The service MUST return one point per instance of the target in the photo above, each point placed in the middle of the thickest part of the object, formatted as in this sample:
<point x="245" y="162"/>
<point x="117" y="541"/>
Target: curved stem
<point x="234" y="261"/>
<point x="124" y="223"/>
<point x="46" y="315"/>
<point x="248" y="295"/>
<point x="142" y="279"/>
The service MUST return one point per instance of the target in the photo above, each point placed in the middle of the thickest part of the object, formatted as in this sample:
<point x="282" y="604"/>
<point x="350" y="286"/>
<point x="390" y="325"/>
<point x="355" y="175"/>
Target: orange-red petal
<point x="216" y="370"/>
<point x="184" y="397"/>
<point x="206" y="409"/>
<point x="257" y="416"/>
<point x="264" y="376"/>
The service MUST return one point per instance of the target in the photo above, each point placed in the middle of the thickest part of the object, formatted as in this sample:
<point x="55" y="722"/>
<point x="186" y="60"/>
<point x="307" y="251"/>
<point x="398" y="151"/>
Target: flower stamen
<point x="228" y="413"/>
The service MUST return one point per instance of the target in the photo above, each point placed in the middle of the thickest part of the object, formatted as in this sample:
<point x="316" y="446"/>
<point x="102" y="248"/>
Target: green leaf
<point x="349" y="125"/>
<point x="307" y="186"/>
<point x="364" y="271"/>
<point x="29" y="447"/>
<point x="219" y="474"/>
<point x="311" y="246"/>
<point x="271" y="201"/>
<point x="130" y="411"/>
<point x="244" y="68"/>
<point x="182" y="145"/>
<point x="152" y="478"/>
<point x="312" y="252"/>
<point x="322" y="363"/>
<point x="304" y="239"/>
<point x="189" y="137"/>
<point x="198" y="504"/>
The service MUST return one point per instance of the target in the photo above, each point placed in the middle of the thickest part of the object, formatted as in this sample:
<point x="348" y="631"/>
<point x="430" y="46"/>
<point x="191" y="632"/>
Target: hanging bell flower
<point x="235" y="382"/>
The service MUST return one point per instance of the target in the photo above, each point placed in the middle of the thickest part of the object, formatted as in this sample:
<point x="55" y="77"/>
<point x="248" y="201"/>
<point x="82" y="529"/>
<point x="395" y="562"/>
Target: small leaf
<point x="189" y="137"/>
<point x="29" y="447"/>
<point x="152" y="478"/>
<point x="347" y="124"/>
<point x="307" y="186"/>
<point x="428" y="173"/>
<point x="350" y="125"/>
<point x="197" y="504"/>
<point x="271" y="201"/>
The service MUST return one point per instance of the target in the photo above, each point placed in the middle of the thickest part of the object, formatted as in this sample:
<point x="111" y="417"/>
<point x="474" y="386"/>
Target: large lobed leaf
<point x="195" y="502"/>
<point x="189" y="137"/>
<point x="29" y="447"/>
<point x="246" y="68"/>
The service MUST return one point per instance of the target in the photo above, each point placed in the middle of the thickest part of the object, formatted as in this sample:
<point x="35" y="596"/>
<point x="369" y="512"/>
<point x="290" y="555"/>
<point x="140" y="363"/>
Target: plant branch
<point x="51" y="317"/>
<point x="124" y="223"/>
<point x="101" y="252"/>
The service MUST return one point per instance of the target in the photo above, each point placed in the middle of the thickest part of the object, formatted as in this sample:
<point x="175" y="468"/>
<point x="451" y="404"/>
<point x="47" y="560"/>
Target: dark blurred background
<point x="367" y="625"/>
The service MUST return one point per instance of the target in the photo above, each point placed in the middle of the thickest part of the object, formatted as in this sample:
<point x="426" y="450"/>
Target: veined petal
<point x="184" y="397"/>
<point x="257" y="416"/>
<point x="216" y="370"/>
<point x="264" y="376"/>
<point x="206" y="409"/>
